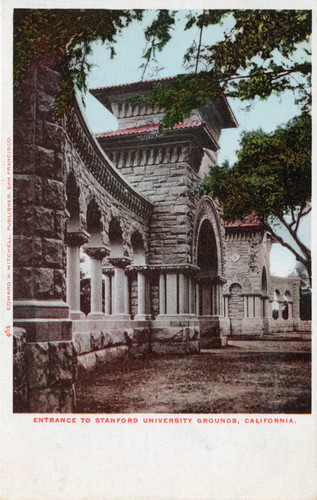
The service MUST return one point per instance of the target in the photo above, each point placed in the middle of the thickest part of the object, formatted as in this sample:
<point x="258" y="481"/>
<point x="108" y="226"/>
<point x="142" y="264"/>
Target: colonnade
<point x="255" y="306"/>
<point x="180" y="293"/>
<point x="209" y="297"/>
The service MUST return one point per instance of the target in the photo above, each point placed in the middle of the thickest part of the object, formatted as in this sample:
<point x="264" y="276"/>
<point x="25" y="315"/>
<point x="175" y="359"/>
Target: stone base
<point x="76" y="315"/>
<point x="213" y="331"/>
<point x="213" y="342"/>
<point x="44" y="375"/>
<point x="96" y="315"/>
<point x="142" y="317"/>
<point x="92" y="360"/>
<point x="51" y="309"/>
<point x="120" y="317"/>
<point x="174" y="336"/>
<point x="253" y="326"/>
<point x="43" y="330"/>
<point x="162" y="348"/>
<point x="282" y="325"/>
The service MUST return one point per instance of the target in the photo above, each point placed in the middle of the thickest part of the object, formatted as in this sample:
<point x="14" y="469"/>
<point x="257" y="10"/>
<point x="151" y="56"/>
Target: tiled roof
<point x="146" y="128"/>
<point x="249" y="221"/>
<point x="151" y="127"/>
<point x="144" y="83"/>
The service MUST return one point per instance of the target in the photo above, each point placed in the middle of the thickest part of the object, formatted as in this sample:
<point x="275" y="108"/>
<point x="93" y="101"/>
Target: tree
<point x="263" y="52"/>
<point x="258" y="56"/>
<point x="255" y="58"/>
<point x="70" y="33"/>
<point x="271" y="178"/>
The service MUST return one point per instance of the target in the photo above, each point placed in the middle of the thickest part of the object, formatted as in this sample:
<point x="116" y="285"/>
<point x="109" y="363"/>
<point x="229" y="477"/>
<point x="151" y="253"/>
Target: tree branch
<point x="284" y="243"/>
<point x="199" y="45"/>
<point x="301" y="245"/>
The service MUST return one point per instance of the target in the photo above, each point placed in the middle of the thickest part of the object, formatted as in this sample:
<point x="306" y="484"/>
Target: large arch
<point x="207" y="210"/>
<point x="208" y="258"/>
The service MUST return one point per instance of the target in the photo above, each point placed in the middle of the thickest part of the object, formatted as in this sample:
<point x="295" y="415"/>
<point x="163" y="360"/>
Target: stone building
<point x="167" y="275"/>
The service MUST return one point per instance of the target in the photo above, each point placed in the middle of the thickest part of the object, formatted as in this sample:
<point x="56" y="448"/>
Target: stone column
<point x="246" y="312"/>
<point x="197" y="299"/>
<point x="126" y="294"/>
<point x="251" y="306"/>
<point x="96" y="255"/>
<point x="183" y="294"/>
<point x="226" y="306"/>
<point x="120" y="288"/>
<point x="39" y="206"/>
<point x="258" y="306"/>
<point x="74" y="240"/>
<point x="221" y="300"/>
<point x="191" y="298"/>
<point x="162" y="293"/>
<point x="107" y="272"/>
<point x="171" y="293"/>
<point x="142" y="297"/>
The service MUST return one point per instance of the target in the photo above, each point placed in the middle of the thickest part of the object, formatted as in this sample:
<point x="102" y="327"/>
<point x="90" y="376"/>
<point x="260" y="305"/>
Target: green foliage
<point x="157" y="35"/>
<point x="272" y="175"/>
<point x="257" y="57"/>
<point x="69" y="33"/>
<point x="272" y="178"/>
<point x="186" y="93"/>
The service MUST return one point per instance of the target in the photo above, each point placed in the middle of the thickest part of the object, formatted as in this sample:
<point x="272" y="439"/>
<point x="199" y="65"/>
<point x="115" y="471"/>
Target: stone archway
<point x="208" y="257"/>
<point x="207" y="262"/>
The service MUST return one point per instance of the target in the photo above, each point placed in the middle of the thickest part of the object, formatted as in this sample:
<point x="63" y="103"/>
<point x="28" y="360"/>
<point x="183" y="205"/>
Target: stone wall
<point x="172" y="187"/>
<point x="44" y="373"/>
<point x="104" y="342"/>
<point x="39" y="189"/>
<point x="247" y="253"/>
<point x="46" y="153"/>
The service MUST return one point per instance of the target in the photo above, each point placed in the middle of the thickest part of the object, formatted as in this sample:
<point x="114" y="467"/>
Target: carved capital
<point x="220" y="280"/>
<point x="97" y="252"/>
<point x="119" y="261"/>
<point x="76" y="238"/>
<point x="144" y="269"/>
<point x="109" y="271"/>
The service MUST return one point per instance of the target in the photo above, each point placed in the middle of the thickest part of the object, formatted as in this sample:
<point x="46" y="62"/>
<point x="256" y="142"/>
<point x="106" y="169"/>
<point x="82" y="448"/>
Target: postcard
<point x="156" y="268"/>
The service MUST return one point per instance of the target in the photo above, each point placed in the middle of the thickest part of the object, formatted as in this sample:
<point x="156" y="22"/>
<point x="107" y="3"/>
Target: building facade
<point x="166" y="274"/>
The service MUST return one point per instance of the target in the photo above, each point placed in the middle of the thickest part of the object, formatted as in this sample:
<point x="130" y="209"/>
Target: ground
<point x="263" y="376"/>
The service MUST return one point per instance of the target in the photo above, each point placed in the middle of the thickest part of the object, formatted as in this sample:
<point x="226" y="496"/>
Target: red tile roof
<point x="248" y="221"/>
<point x="154" y="126"/>
<point x="151" y="127"/>
<point x="131" y="84"/>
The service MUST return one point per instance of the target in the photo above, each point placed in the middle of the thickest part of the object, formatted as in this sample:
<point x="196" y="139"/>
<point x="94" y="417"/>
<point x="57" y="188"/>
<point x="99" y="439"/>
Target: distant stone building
<point x="175" y="277"/>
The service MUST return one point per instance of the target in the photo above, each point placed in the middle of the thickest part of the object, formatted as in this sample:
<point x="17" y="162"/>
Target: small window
<point x="275" y="314"/>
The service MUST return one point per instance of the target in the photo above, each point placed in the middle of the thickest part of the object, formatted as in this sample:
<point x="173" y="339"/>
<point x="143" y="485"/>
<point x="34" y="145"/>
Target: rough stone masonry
<point x="166" y="275"/>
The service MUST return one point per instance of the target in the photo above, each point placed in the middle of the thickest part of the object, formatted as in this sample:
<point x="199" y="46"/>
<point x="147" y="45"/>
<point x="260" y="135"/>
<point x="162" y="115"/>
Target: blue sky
<point x="125" y="68"/>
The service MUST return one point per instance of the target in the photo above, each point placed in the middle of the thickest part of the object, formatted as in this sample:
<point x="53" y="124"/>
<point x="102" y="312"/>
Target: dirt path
<point x="242" y="378"/>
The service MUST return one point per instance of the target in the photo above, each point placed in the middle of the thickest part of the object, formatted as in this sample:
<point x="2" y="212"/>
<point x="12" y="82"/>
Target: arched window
<point x="72" y="203"/>
<point x="285" y="306"/>
<point x="115" y="239"/>
<point x="276" y="305"/>
<point x="138" y="249"/>
<point x="264" y="282"/>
